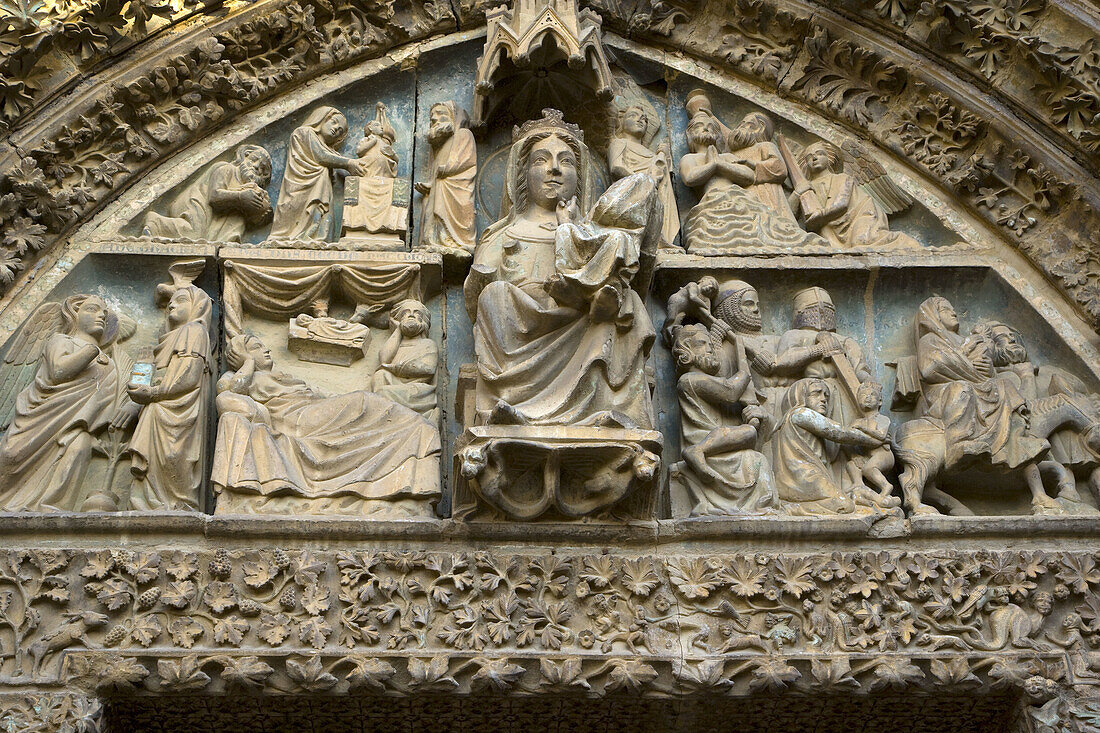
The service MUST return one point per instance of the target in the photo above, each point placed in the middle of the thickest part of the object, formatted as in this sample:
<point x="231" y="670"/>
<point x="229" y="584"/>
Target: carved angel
<point x="60" y="388"/>
<point x="846" y="197"/>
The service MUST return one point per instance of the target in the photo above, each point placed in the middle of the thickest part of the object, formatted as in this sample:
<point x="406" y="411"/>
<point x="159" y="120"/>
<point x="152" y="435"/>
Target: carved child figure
<point x="690" y="300"/>
<point x="870" y="466"/>
<point x="409" y="359"/>
<point x="368" y="197"/>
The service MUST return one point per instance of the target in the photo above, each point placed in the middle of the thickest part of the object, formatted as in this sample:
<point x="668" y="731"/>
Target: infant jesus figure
<point x="867" y="467"/>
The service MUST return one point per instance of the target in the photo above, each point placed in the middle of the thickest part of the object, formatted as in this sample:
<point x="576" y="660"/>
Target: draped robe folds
<point x="167" y="445"/>
<point x="374" y="210"/>
<point x="359" y="445"/>
<point x="304" y="208"/>
<point x="863" y="222"/>
<point x="554" y="363"/>
<point x="841" y="407"/>
<point x="37" y="456"/>
<point x="771" y="171"/>
<point x="637" y="158"/>
<point x="803" y="475"/>
<point x="409" y="377"/>
<point x="728" y="217"/>
<point x="971" y="404"/>
<point x="194" y="215"/>
<point x="447" y="217"/>
<point x="748" y="485"/>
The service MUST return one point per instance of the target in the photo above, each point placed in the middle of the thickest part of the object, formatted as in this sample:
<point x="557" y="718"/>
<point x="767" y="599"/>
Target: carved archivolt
<point x="86" y="146"/>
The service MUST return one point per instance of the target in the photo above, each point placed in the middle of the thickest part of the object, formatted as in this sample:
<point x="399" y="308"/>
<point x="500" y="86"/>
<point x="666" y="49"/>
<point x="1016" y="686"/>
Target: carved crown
<point x="552" y="120"/>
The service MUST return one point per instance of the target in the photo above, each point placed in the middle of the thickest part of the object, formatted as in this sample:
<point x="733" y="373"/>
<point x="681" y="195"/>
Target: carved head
<point x="1043" y="602"/>
<point x="811" y="393"/>
<point x="551" y="166"/>
<point x="702" y="132"/>
<point x="869" y="396"/>
<point x="814" y="310"/>
<point x="331" y="125"/>
<point x="254" y="163"/>
<point x="244" y="346"/>
<point x="89" y="315"/>
<point x="1008" y="345"/>
<point x="936" y="314"/>
<point x="443" y="120"/>
<point x="820" y="157"/>
<point x="412" y="317"/>
<point x="692" y="348"/>
<point x="189" y="303"/>
<point x="755" y="127"/>
<point x="633" y="121"/>
<point x="739" y="306"/>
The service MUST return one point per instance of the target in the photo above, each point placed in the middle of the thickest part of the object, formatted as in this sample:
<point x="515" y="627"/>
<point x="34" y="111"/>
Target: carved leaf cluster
<point x="847" y="79"/>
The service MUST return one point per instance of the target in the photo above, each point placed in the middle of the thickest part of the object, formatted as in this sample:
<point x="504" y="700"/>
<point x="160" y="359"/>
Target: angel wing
<point x="874" y="179"/>
<point x="21" y="361"/>
<point x="183" y="273"/>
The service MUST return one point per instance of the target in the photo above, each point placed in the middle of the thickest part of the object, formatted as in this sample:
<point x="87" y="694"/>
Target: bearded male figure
<point x="226" y="199"/>
<point x="751" y="142"/>
<point x="722" y="471"/>
<point x="729" y="215"/>
<point x="447" y="213"/>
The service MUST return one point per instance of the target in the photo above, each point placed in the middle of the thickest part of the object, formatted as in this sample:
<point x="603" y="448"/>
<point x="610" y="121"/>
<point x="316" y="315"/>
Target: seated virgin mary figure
<point x="560" y="335"/>
<point x="284" y="447"/>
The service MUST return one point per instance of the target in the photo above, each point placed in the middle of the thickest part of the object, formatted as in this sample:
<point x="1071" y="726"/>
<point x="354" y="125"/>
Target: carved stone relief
<point x="378" y="378"/>
<point x="90" y="428"/>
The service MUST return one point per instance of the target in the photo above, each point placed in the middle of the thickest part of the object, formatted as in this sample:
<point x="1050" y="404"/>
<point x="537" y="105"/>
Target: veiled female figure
<point x="166" y="450"/>
<point x="983" y="416"/>
<point x="284" y="447"/>
<point x="75" y="395"/>
<point x="561" y="337"/>
<point x="304" y="208"/>
<point x="807" y="482"/>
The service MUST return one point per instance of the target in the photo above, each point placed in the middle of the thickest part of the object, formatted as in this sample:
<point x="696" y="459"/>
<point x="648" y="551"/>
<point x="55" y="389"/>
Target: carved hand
<point x="356" y="167"/>
<point x="829" y="342"/>
<point x="124" y="416"/>
<point x="568" y="211"/>
<point x="254" y="198"/>
<point x="142" y="394"/>
<point x="422" y="188"/>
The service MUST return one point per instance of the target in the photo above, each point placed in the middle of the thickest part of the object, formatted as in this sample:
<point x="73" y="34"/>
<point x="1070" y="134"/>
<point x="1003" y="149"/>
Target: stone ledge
<point x="33" y="528"/>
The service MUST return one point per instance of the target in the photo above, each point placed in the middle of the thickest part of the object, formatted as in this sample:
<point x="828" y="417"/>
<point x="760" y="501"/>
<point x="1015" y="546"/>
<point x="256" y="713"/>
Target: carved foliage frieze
<point x="415" y="620"/>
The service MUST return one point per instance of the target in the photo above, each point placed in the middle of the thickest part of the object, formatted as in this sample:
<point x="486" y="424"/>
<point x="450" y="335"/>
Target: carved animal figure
<point x="1011" y="625"/>
<point x="921" y="448"/>
<point x="73" y="631"/>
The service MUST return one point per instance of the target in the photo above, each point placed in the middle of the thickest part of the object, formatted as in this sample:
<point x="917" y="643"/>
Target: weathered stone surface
<point x="481" y="473"/>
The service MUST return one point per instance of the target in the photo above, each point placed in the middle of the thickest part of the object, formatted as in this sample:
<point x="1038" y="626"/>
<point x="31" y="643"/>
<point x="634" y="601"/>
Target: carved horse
<point x="921" y="449"/>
